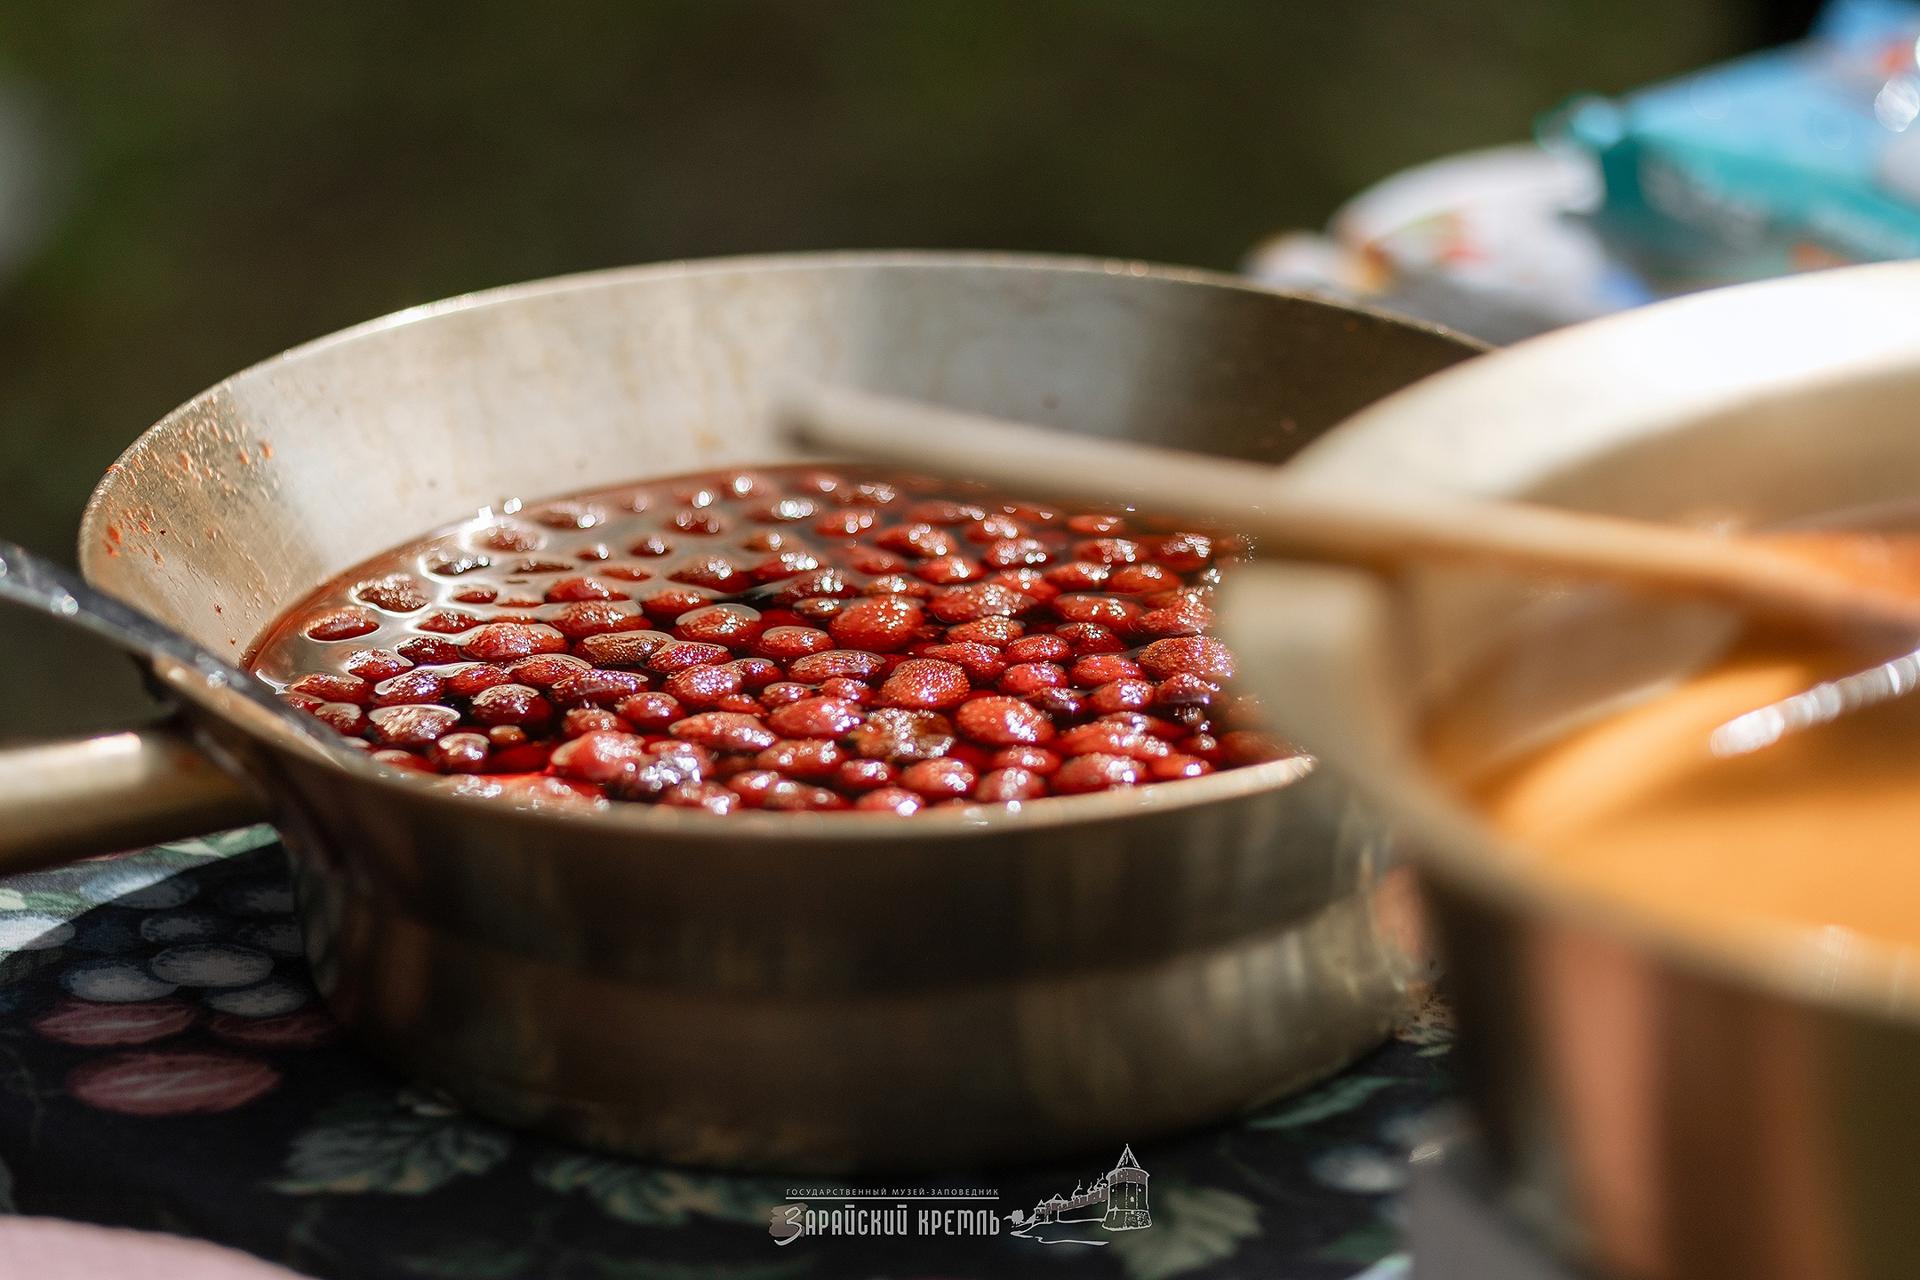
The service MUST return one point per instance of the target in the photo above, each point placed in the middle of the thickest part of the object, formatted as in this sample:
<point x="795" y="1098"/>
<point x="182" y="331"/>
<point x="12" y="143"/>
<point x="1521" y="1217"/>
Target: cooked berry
<point x="757" y="673"/>
<point x="1096" y="773"/>
<point x="545" y="670"/>
<point x="812" y="759"/>
<point x="1090" y="637"/>
<point x="1169" y="767"/>
<point x="1121" y="695"/>
<point x="505" y="641"/>
<point x="1032" y="759"/>
<point x="678" y="655"/>
<point x="809" y="640"/>
<point x="514" y="704"/>
<point x="725" y="731"/>
<point x="347" y="717"/>
<point x="599" y="757"/>
<point x="1046" y="648"/>
<point x="925" y="684"/>
<point x="1010" y="552"/>
<point x="787" y="643"/>
<point x="596" y="686"/>
<point x="982" y="663"/>
<point x="784" y="693"/>
<point x="1080" y="575"/>
<point x="923" y="540"/>
<point x="863" y="775"/>
<point x="992" y="528"/>
<point x="622" y="648"/>
<point x="1063" y="706"/>
<point x="429" y="651"/>
<point x="1133" y="578"/>
<point x="893" y="733"/>
<point x="938" y="779"/>
<point x="880" y="624"/>
<point x="1008" y="786"/>
<point x="474" y="677"/>
<point x="1102" y="668"/>
<point x="396" y="593"/>
<point x="669" y="603"/>
<point x="729" y="624"/>
<point x="944" y="511"/>
<point x="948" y="570"/>
<point x="1245" y="747"/>
<point x="1031" y="677"/>
<point x="854" y="663"/>
<point x="1188" y="655"/>
<point x="1002" y="722"/>
<point x="1184" y="552"/>
<point x="897" y="584"/>
<point x="997" y="631"/>
<point x="816" y="718"/>
<point x="341" y="624"/>
<point x="1107" y="551"/>
<point x="447" y="622"/>
<point x="1109" y="737"/>
<point x="705" y="686"/>
<point x="570" y="589"/>
<point x="624" y="572"/>
<point x="418" y="685"/>
<point x="710" y="796"/>
<point x="328" y="687"/>
<point x="375" y="664"/>
<point x="847" y="689"/>
<point x="650" y="711"/>
<point x="1185" y="690"/>
<point x="412" y="726"/>
<point x="896" y="800"/>
<point x="978" y="600"/>
<point x="460" y="753"/>
<point x="844" y="523"/>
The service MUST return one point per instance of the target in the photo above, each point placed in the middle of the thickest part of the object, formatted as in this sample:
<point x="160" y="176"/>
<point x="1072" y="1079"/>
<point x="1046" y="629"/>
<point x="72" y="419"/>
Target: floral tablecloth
<point x="165" y="1063"/>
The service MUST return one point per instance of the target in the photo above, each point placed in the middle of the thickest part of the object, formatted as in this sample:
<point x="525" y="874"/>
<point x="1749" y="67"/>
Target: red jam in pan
<point x="786" y="638"/>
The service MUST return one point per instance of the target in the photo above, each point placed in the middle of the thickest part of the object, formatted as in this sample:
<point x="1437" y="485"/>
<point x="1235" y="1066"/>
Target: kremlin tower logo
<point x="1116" y="1201"/>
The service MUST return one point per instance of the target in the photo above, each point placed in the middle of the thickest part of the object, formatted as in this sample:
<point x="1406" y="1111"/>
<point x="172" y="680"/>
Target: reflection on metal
<point x="1824" y="702"/>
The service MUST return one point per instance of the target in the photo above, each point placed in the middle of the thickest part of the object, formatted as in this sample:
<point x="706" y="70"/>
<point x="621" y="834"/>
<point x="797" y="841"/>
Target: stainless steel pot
<point x="798" y="990"/>
<point x="1659" y="1106"/>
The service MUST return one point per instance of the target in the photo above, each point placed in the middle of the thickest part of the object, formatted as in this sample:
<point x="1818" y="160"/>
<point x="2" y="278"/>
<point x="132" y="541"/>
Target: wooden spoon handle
<point x="1345" y="524"/>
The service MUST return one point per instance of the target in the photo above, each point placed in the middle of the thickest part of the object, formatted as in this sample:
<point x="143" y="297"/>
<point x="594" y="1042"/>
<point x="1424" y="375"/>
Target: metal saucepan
<point x="1659" y="1107"/>
<point x="798" y="990"/>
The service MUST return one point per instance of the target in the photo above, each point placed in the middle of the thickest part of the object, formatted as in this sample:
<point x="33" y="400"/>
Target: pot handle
<point x="63" y="800"/>
<point x="66" y="799"/>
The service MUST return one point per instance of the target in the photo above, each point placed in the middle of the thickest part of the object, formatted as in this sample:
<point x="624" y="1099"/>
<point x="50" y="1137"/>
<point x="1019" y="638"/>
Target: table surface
<point x="166" y="1064"/>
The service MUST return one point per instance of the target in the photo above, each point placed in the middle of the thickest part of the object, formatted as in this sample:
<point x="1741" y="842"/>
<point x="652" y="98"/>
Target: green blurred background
<point x="185" y="189"/>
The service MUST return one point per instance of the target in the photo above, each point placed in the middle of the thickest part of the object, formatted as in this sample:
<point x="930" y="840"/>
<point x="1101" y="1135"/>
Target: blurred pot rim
<point x="1475" y="429"/>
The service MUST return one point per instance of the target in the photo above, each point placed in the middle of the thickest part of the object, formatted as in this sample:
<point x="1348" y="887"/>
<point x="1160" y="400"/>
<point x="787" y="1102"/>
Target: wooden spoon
<point x="1831" y="579"/>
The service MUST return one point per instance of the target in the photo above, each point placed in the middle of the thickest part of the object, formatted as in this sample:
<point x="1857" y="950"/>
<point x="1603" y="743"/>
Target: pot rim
<point x="1817" y="332"/>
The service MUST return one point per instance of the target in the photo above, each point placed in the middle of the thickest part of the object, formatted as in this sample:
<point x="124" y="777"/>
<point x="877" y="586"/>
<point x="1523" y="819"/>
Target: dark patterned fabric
<point x="165" y="1063"/>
